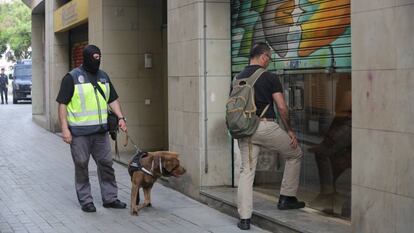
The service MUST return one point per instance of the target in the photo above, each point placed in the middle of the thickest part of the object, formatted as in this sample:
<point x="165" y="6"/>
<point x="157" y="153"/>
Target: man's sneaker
<point x="244" y="224"/>
<point x="117" y="204"/>
<point x="89" y="207"/>
<point x="288" y="203"/>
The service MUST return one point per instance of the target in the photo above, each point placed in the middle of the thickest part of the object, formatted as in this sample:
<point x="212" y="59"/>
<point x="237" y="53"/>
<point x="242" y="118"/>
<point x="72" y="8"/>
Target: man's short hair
<point x="2" y="68"/>
<point x="258" y="49"/>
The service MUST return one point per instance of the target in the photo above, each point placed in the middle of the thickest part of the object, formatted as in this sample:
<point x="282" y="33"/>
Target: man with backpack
<point x="251" y="119"/>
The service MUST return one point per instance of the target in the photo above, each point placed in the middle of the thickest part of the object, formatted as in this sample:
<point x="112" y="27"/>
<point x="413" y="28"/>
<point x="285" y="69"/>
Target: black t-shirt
<point x="264" y="87"/>
<point x="67" y="88"/>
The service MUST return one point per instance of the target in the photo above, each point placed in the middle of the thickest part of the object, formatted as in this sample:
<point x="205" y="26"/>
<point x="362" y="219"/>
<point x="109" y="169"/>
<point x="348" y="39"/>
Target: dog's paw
<point x="134" y="211"/>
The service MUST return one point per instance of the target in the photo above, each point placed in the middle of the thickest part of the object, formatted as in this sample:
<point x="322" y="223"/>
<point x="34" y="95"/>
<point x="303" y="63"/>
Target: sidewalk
<point x="37" y="191"/>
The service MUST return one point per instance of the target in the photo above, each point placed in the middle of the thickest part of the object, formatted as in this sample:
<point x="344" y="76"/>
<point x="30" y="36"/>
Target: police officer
<point x="84" y="96"/>
<point x="3" y="86"/>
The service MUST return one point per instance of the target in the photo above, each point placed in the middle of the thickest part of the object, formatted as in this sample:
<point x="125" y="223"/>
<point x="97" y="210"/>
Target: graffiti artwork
<point x="304" y="34"/>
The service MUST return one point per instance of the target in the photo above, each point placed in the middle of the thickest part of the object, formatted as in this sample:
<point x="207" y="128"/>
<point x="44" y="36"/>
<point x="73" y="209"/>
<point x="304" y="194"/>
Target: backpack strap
<point x="251" y="80"/>
<point x="264" y="110"/>
<point x="255" y="76"/>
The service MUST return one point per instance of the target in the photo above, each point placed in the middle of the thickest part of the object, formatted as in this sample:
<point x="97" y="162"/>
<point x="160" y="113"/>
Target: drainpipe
<point x="232" y="162"/>
<point x="205" y="85"/>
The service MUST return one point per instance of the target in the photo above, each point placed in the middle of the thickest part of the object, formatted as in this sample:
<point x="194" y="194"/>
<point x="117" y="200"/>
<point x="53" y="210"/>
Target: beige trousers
<point x="268" y="135"/>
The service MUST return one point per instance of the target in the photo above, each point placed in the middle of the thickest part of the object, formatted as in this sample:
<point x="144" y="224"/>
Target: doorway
<point x="320" y="113"/>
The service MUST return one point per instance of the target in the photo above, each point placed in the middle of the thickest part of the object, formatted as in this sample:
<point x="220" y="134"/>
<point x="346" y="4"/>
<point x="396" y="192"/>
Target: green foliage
<point x="15" y="30"/>
<point x="259" y="5"/>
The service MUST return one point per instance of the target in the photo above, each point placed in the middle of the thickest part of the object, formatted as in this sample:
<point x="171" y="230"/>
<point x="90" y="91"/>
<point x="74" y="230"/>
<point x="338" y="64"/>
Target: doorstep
<point x="267" y="216"/>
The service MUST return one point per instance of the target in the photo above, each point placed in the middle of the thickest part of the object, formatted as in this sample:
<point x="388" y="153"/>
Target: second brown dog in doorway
<point x="145" y="168"/>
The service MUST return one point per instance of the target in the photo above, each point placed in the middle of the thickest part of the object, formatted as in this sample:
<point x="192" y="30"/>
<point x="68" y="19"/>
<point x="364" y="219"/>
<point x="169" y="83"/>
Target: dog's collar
<point x="160" y="166"/>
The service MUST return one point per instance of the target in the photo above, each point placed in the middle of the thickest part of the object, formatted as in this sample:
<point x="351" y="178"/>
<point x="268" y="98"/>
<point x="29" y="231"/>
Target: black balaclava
<point x="91" y="64"/>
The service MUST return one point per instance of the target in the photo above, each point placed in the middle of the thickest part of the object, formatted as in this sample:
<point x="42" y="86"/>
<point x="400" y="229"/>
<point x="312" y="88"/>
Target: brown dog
<point x="145" y="168"/>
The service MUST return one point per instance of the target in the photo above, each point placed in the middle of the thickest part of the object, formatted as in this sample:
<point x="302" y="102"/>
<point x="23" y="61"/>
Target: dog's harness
<point x="137" y="166"/>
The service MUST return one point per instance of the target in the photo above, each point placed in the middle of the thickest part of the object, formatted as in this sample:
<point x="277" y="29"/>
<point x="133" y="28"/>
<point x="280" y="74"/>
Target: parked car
<point x="22" y="81"/>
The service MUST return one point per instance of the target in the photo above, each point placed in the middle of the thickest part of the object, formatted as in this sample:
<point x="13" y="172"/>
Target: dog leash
<point x="116" y="147"/>
<point x="127" y="139"/>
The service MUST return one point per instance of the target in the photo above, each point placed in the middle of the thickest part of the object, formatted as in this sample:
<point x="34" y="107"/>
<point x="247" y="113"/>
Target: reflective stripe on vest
<point x="87" y="106"/>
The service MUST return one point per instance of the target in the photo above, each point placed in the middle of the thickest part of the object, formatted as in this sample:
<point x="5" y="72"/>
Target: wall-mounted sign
<point x="70" y="15"/>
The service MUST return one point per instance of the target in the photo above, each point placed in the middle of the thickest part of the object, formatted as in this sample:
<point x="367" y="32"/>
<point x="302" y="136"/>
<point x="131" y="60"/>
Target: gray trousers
<point x="99" y="147"/>
<point x="271" y="136"/>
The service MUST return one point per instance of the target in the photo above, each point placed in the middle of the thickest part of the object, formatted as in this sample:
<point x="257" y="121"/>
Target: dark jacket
<point x="3" y="81"/>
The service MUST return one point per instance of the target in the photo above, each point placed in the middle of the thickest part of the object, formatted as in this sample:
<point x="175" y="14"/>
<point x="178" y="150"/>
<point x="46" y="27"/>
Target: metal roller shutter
<point x="304" y="34"/>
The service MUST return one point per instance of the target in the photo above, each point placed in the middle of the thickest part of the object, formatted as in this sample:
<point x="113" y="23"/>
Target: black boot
<point x="288" y="203"/>
<point x="89" y="207"/>
<point x="117" y="204"/>
<point x="244" y="224"/>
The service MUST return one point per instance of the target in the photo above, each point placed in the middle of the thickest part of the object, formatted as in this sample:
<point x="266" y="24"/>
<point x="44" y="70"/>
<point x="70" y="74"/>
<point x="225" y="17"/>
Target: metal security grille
<point x="311" y="42"/>
<point x="304" y="34"/>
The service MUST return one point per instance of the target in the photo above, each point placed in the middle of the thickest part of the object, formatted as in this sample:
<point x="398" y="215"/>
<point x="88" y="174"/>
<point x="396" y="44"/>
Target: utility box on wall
<point x="148" y="60"/>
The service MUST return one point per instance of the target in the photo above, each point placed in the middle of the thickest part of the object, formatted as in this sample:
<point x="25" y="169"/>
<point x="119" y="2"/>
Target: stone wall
<point x="207" y="164"/>
<point x="383" y="123"/>
<point x="125" y="31"/>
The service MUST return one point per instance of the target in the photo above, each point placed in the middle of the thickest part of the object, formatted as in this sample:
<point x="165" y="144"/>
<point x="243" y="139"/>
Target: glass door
<point x="320" y="113"/>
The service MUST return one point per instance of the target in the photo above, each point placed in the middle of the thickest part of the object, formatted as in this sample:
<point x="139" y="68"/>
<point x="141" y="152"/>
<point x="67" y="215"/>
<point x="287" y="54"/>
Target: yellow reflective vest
<point x="88" y="109"/>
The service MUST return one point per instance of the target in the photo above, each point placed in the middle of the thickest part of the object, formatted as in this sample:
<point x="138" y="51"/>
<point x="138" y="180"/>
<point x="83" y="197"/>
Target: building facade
<point x="172" y="61"/>
<point x="382" y="126"/>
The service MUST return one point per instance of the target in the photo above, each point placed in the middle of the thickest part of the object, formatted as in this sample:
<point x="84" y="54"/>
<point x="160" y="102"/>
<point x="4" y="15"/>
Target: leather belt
<point x="267" y="119"/>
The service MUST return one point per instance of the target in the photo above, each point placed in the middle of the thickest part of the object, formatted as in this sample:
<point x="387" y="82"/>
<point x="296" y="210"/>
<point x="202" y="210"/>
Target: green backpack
<point x="241" y="118"/>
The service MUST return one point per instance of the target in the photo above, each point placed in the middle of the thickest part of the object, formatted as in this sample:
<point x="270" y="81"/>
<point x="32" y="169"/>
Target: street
<point x="37" y="191"/>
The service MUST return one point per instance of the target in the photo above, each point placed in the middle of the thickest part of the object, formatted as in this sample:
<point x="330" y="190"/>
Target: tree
<point x="15" y="30"/>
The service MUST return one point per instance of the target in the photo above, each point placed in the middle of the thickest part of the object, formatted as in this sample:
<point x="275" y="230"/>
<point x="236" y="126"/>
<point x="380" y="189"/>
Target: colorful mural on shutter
<point x="304" y="34"/>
